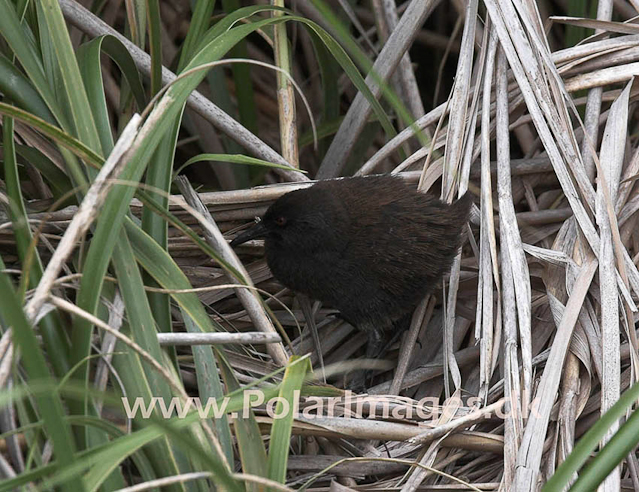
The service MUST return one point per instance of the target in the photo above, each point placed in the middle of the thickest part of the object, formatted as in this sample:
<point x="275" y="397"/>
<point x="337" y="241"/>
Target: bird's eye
<point x="280" y="221"/>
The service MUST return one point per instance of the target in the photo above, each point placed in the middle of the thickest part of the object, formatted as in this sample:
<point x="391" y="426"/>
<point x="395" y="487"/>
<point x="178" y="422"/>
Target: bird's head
<point x="302" y="220"/>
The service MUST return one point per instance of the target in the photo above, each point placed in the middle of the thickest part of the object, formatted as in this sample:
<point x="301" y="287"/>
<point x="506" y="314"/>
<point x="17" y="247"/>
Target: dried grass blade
<point x="612" y="153"/>
<point x="249" y="299"/>
<point x="458" y="126"/>
<point x="529" y="459"/>
<point x="418" y="474"/>
<point x="511" y="244"/>
<point x="458" y="123"/>
<point x="488" y="269"/>
<point x="593" y="105"/>
<point x="359" y="111"/>
<point x="534" y="99"/>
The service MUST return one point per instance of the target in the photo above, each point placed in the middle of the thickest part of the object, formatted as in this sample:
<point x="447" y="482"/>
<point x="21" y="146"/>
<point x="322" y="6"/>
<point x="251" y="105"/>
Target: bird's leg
<point x="305" y="303"/>
<point x="376" y="345"/>
<point x="396" y="336"/>
<point x="374" y="350"/>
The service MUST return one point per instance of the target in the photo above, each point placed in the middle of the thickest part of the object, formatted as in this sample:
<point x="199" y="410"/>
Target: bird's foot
<point x="360" y="380"/>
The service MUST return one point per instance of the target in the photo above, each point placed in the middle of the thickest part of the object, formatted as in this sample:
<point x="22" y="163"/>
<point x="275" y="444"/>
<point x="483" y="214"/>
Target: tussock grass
<point x="518" y="372"/>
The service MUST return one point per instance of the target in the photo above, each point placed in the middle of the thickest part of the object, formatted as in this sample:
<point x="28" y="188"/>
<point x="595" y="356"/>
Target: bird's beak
<point x="254" y="232"/>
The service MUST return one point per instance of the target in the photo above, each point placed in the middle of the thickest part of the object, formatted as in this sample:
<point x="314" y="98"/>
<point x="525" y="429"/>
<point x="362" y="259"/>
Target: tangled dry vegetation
<point x="533" y="335"/>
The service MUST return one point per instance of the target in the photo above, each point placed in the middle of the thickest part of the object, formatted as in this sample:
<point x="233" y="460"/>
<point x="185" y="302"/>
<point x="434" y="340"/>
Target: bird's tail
<point x="456" y="217"/>
<point x="460" y="208"/>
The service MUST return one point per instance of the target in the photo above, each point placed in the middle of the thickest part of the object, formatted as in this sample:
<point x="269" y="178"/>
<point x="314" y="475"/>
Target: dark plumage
<point x="372" y="247"/>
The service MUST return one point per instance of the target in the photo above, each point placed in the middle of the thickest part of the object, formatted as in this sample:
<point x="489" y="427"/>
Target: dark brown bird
<point x="371" y="247"/>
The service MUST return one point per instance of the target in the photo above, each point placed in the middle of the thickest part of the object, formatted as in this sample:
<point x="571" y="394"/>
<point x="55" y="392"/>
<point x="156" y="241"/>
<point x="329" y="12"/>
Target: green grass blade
<point x="613" y="454"/>
<point x="57" y="180"/>
<point x="49" y="406"/>
<point x="158" y="177"/>
<point x="25" y="49"/>
<point x="234" y="158"/>
<point x="16" y="87"/>
<point x="242" y="76"/>
<point x="591" y="439"/>
<point x="143" y="332"/>
<point x="60" y="136"/>
<point x="117" y="203"/>
<point x="281" y="430"/>
<point x="74" y="85"/>
<point x="198" y="26"/>
<point x="247" y="432"/>
<point x="91" y="69"/>
<point x="159" y="264"/>
<point x="210" y="386"/>
<point x="55" y="338"/>
<point x="155" y="43"/>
